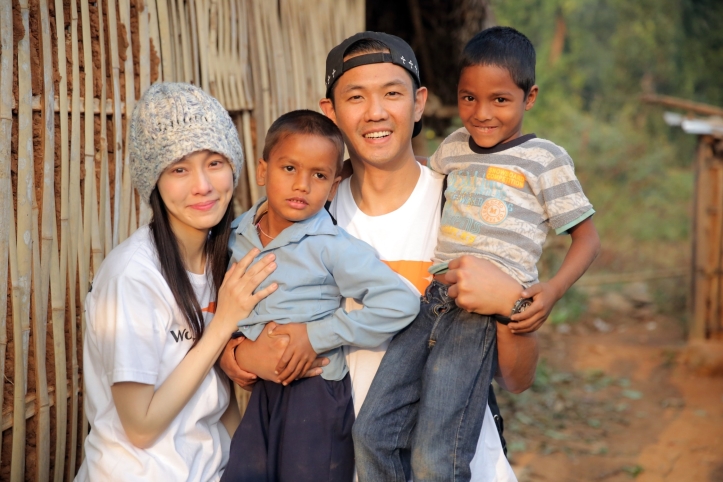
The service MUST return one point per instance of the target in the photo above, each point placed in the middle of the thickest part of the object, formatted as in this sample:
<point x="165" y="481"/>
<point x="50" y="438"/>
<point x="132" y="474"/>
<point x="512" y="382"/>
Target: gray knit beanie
<point x="171" y="121"/>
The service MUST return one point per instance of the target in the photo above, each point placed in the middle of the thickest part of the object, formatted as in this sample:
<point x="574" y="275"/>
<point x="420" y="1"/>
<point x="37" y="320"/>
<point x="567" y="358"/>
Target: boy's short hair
<point x="307" y="122"/>
<point x="502" y="47"/>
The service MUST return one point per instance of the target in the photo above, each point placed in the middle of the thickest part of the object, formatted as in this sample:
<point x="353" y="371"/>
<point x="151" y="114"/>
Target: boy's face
<point x="491" y="105"/>
<point x="300" y="175"/>
<point x="376" y="106"/>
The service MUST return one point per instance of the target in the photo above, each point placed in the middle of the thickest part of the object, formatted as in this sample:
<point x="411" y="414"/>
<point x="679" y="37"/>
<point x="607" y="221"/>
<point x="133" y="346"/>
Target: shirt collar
<point x="318" y="224"/>
<point x="500" y="147"/>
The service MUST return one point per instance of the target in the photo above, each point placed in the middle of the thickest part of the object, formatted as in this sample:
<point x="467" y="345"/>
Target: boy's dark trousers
<point x="430" y="394"/>
<point x="297" y="433"/>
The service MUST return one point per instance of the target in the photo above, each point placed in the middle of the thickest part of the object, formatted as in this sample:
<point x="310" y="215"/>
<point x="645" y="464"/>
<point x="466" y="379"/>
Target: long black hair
<point x="173" y="267"/>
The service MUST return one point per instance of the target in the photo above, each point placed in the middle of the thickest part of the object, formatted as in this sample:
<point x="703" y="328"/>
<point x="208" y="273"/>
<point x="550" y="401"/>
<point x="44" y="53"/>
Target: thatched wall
<point x="70" y="71"/>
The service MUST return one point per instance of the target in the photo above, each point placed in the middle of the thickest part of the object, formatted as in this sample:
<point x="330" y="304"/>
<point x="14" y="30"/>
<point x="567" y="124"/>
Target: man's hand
<point x="244" y="379"/>
<point x="544" y="296"/>
<point x="259" y="358"/>
<point x="478" y="286"/>
<point x="299" y="354"/>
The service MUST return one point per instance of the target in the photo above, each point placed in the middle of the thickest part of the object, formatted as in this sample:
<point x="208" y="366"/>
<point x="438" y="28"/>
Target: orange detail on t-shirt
<point x="211" y="308"/>
<point x="505" y="176"/>
<point x="414" y="271"/>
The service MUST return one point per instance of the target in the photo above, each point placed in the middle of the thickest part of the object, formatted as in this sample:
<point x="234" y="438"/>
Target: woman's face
<point x="196" y="191"/>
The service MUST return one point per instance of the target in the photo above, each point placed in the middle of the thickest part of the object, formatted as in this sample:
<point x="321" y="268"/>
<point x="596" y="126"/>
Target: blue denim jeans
<point x="429" y="395"/>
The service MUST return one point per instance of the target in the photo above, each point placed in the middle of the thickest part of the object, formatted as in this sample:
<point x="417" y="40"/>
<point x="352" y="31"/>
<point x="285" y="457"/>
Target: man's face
<point x="376" y="106"/>
<point x="491" y="105"/>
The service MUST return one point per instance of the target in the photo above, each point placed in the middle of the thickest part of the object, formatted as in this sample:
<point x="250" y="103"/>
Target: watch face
<point x="524" y="304"/>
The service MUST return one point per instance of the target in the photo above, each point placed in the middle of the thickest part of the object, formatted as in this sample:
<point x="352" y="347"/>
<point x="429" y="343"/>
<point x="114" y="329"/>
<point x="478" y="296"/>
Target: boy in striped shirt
<point x="504" y="192"/>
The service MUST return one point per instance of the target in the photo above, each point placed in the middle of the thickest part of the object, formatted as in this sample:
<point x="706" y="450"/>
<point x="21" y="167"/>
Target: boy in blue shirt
<point x="301" y="429"/>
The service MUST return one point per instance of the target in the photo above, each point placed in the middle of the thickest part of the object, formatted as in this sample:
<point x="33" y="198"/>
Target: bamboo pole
<point x="88" y="200"/>
<point x="24" y="246"/>
<point x="43" y="256"/>
<point x="58" y="276"/>
<point x="145" y="78"/>
<point x="185" y="47"/>
<point x="212" y="53"/>
<point x="6" y="195"/>
<point x="117" y="117"/>
<point x="164" y="30"/>
<point x="155" y="32"/>
<point x="175" y="40"/>
<point x="262" y="101"/>
<point x="126" y="228"/>
<point x="250" y="157"/>
<point x="105" y="227"/>
<point x="76" y="227"/>
<point x="244" y="58"/>
<point x="39" y="316"/>
<point x="203" y="44"/>
<point x="194" y="42"/>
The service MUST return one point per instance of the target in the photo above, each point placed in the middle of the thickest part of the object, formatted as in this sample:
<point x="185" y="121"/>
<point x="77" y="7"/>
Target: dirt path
<point x="613" y="401"/>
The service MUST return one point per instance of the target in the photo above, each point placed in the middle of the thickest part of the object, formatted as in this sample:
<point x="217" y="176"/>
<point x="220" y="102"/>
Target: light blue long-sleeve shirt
<point x="318" y="263"/>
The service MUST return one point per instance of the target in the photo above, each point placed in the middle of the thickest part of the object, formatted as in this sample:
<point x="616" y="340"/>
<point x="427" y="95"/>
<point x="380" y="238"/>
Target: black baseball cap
<point x="400" y="53"/>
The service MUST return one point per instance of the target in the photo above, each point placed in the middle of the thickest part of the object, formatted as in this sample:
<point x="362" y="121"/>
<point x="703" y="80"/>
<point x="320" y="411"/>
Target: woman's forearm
<point x="146" y="413"/>
<point x="517" y="357"/>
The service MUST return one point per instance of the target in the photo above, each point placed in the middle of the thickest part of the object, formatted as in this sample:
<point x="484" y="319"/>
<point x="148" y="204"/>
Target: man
<point x="391" y="202"/>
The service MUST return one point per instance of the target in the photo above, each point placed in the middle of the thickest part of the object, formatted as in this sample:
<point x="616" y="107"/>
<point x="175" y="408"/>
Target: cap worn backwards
<point x="400" y="53"/>
<point x="171" y="121"/>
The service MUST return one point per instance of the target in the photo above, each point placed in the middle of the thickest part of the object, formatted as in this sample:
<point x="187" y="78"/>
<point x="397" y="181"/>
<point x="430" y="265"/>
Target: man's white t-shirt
<point x="136" y="333"/>
<point x="405" y="240"/>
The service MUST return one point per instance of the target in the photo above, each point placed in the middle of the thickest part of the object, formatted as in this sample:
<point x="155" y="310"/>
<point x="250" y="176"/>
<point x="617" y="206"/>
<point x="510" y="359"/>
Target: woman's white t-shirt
<point x="405" y="240"/>
<point x="136" y="333"/>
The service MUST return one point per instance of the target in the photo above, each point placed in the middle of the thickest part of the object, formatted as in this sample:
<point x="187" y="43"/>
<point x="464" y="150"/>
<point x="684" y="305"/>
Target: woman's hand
<point x="236" y="297"/>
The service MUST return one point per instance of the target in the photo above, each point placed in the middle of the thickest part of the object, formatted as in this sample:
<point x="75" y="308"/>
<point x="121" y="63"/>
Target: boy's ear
<point x="334" y="187"/>
<point x="328" y="109"/>
<point x="261" y="172"/>
<point x="531" y="97"/>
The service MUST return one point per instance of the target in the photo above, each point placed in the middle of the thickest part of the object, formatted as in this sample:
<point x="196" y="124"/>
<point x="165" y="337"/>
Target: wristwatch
<point x="520" y="305"/>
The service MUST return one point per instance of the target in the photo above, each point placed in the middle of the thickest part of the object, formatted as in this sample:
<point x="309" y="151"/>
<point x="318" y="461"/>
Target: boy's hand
<point x="544" y="296"/>
<point x="299" y="354"/>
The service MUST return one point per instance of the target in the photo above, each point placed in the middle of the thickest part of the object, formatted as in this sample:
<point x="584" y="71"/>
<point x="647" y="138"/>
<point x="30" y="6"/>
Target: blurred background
<point x="629" y="381"/>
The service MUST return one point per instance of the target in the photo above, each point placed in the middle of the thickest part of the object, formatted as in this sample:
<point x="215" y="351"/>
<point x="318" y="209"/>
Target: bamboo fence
<point x="70" y="73"/>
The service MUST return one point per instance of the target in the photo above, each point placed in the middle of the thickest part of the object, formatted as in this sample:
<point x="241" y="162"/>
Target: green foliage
<point x="635" y="169"/>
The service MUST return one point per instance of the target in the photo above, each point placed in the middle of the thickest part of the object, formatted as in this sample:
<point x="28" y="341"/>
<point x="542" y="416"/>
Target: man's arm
<point x="479" y="286"/>
<point x="517" y="357"/>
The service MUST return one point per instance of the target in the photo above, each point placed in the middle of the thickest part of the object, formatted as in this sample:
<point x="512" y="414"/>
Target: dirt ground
<point x="618" y="398"/>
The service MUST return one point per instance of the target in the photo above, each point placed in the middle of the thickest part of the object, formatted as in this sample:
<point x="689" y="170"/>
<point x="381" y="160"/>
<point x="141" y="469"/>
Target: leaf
<point x="634" y="470"/>
<point x="632" y="394"/>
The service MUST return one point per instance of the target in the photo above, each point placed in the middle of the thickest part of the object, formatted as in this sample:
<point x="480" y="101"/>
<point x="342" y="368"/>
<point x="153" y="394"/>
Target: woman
<point x="162" y="306"/>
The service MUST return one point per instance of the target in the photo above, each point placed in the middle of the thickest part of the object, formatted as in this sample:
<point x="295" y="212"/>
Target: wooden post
<point x="707" y="225"/>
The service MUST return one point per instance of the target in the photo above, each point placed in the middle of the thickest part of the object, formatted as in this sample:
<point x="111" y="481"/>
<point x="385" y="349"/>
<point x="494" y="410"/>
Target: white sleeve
<point x="131" y="320"/>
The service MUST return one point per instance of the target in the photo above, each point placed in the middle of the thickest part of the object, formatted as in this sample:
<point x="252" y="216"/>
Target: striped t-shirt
<point x="502" y="201"/>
